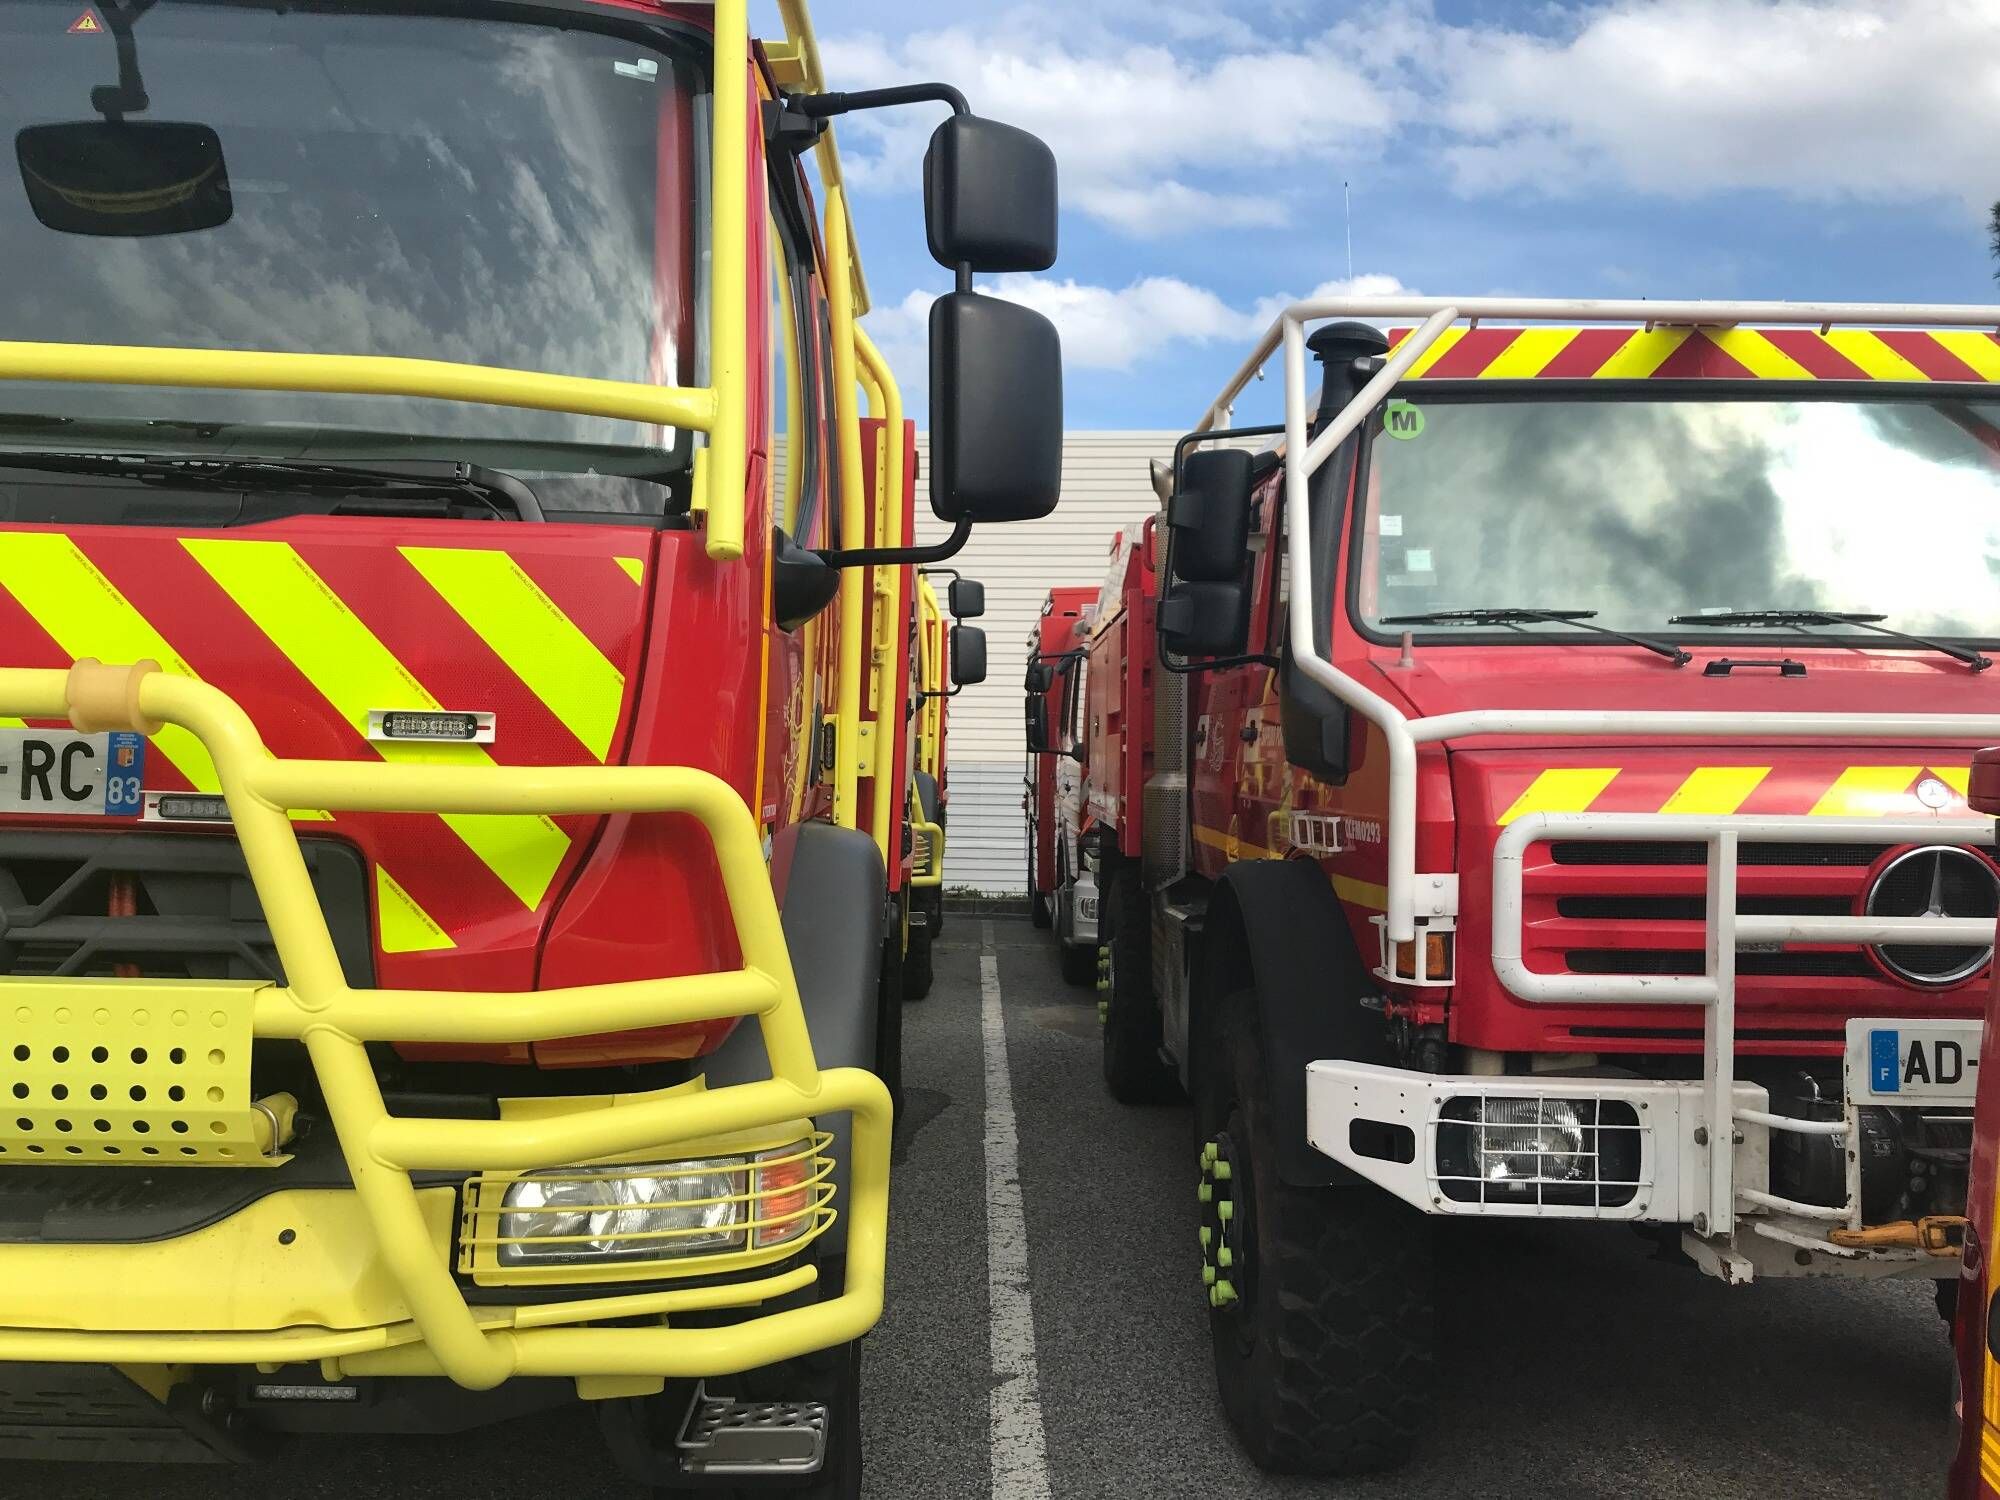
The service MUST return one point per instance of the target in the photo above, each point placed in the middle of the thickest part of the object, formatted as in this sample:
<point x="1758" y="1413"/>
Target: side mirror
<point x="968" y="655"/>
<point x="801" y="582"/>
<point x="1041" y="676"/>
<point x="124" y="179"/>
<point x="1204" y="619"/>
<point x="989" y="197"/>
<point x="1210" y="516"/>
<point x="1038" y="726"/>
<point x="996" y="410"/>
<point x="966" y="598"/>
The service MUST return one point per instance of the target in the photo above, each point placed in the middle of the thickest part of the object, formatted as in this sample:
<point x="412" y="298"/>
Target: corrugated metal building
<point x="1104" y="487"/>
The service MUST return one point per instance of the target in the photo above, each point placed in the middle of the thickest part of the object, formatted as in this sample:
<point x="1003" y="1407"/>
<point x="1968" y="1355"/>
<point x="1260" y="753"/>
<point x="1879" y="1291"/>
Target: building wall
<point x="1105" y="486"/>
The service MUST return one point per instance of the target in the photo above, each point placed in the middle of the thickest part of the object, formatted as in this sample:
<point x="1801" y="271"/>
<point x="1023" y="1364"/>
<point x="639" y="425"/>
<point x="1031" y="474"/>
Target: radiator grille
<point x="166" y="905"/>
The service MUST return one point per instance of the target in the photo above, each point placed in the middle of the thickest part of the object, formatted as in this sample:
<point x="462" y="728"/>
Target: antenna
<point x="1347" y="212"/>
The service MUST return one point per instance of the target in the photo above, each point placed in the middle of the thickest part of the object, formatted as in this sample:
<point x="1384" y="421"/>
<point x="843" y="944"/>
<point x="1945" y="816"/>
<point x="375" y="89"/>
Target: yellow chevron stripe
<point x="87" y="616"/>
<point x="1561" y="791"/>
<point x="1958" y="778"/>
<point x="635" y="567"/>
<point x="1641" y="354"/>
<point x="1436" y="352"/>
<point x="1977" y="350"/>
<point x="1528" y="354"/>
<point x="405" y="926"/>
<point x="11" y="723"/>
<point x="1866" y="350"/>
<point x="355" y="672"/>
<point x="1716" y="791"/>
<point x="1867" y="792"/>
<point x="1757" y="354"/>
<point x="529" y="632"/>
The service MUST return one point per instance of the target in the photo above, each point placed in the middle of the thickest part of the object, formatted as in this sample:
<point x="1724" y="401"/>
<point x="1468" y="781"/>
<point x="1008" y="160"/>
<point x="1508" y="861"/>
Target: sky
<point x="1795" y="149"/>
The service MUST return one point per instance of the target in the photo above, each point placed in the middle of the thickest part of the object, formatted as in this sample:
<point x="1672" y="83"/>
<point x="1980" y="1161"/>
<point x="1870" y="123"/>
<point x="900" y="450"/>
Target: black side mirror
<point x="124" y="178"/>
<point x="989" y="197"/>
<point x="802" y="583"/>
<point x="1210" y="516"/>
<point x="966" y="598"/>
<point x="968" y="655"/>
<point x="1038" y="726"/>
<point x="1041" y="676"/>
<point x="996" y="410"/>
<point x="1204" y="619"/>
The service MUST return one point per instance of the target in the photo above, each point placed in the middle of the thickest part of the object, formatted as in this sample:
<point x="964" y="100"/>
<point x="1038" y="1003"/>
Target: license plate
<point x="1912" y="1062"/>
<point x="60" y="771"/>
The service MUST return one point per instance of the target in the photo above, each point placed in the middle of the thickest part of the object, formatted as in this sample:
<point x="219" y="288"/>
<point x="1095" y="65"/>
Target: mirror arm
<point x="873" y="557"/>
<point x="826" y="106"/>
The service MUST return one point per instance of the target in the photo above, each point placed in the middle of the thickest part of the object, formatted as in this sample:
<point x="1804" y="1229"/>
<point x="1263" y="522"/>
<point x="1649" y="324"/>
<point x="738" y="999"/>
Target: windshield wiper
<point x="1580" y="618"/>
<point x="388" y="485"/>
<point x="1779" y="618"/>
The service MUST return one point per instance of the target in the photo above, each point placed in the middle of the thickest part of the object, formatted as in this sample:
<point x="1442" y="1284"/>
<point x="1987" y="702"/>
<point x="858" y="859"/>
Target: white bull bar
<point x="1686" y="1169"/>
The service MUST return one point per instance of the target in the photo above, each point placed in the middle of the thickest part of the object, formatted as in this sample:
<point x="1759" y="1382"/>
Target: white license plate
<point x="60" y="771"/>
<point x="1912" y="1062"/>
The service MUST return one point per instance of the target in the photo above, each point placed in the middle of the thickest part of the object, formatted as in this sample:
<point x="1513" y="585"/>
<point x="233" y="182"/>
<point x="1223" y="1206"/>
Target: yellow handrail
<point x="381" y="1151"/>
<point x="889" y="481"/>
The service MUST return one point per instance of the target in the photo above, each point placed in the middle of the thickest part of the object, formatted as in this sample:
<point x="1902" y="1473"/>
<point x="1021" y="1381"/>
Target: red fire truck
<point x="957" y="654"/>
<point x="416" y="764"/>
<point x="1055" y="739"/>
<point x="1556" y="808"/>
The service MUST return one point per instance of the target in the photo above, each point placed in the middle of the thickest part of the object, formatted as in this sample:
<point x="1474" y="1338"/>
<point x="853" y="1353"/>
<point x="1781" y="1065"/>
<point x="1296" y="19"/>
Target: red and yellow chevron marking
<point x="1867" y="791"/>
<point x="1968" y="356"/>
<point x="312" y="632"/>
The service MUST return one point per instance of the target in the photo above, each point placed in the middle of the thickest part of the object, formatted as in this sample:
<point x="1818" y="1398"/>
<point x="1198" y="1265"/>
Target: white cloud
<point x="1128" y="126"/>
<point x="1886" y="100"/>
<point x="1875" y="100"/>
<point x="1113" y="328"/>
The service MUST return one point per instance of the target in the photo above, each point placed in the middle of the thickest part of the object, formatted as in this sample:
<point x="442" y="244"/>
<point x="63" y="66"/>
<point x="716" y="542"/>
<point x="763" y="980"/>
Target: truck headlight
<point x="648" y="1212"/>
<point x="1575" y="1152"/>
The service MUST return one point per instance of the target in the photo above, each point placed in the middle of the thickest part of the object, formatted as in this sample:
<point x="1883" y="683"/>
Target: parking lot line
<point x="1019" y="1452"/>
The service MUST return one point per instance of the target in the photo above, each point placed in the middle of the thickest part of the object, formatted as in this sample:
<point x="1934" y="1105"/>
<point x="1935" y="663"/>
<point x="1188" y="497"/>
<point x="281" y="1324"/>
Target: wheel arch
<point x="1278" y="924"/>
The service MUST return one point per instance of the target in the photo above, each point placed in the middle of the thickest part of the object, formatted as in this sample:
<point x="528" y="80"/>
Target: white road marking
<point x="1019" y="1449"/>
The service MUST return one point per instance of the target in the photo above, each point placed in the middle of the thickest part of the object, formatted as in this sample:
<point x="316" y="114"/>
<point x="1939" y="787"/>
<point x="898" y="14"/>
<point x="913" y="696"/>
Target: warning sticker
<point x="86" y="23"/>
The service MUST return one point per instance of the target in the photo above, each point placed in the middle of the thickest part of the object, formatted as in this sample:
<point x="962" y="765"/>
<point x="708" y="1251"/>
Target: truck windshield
<point x="1649" y="507"/>
<point x="481" y="190"/>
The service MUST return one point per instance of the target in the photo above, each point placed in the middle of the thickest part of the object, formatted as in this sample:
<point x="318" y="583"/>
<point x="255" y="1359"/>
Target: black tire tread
<point x="1133" y="1068"/>
<point x="917" y="965"/>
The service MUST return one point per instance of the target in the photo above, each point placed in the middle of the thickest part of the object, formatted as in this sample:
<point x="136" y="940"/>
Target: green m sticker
<point x="1402" y="420"/>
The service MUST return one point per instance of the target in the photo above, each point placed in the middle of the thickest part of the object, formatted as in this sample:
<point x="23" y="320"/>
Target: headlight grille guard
<point x="444" y="1335"/>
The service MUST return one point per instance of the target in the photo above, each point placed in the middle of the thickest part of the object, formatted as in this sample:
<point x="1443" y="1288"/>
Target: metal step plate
<point x="93" y="1414"/>
<point x="725" y="1436"/>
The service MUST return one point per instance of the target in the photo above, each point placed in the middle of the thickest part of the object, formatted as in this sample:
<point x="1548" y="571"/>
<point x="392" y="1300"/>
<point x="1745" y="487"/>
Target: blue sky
<point x="1804" y="149"/>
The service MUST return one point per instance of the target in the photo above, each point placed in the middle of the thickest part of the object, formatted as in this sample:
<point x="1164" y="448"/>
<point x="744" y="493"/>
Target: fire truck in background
<point x="1975" y="1472"/>
<point x="418" y="765"/>
<point x="955" y="653"/>
<point x="1555" y="807"/>
<point x="1054" y="655"/>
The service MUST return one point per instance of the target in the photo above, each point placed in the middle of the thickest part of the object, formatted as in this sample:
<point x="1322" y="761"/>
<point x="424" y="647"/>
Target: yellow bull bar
<point x="442" y="1333"/>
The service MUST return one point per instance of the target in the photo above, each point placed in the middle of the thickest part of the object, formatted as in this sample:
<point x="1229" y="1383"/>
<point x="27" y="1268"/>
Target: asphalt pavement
<point x="1573" y="1364"/>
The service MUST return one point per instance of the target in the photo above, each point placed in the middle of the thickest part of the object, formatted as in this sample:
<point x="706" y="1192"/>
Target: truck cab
<point x="453" y="836"/>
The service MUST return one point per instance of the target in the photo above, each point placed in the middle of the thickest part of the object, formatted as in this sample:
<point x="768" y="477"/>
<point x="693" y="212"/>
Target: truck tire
<point x="1079" y="964"/>
<point x="1322" y="1309"/>
<point x="1038" y="910"/>
<point x="1133" y="1068"/>
<point x="917" y="965"/>
<point x="889" y="1007"/>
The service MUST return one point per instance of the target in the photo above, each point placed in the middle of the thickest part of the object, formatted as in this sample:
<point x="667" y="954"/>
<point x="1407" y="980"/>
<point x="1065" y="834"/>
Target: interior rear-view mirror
<point x="989" y="197"/>
<point x="968" y="655"/>
<point x="124" y="178"/>
<point x="996" y="410"/>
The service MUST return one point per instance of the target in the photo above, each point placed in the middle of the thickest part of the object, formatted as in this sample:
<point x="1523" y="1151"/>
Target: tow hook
<point x="1218" y="1250"/>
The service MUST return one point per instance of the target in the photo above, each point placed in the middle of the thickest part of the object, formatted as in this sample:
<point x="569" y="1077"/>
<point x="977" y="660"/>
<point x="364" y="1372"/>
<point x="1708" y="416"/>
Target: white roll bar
<point x="1404" y="734"/>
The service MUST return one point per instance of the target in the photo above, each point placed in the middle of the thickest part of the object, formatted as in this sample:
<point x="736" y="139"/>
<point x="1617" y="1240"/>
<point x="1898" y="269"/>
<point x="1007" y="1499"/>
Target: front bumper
<point x="362" y="1279"/>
